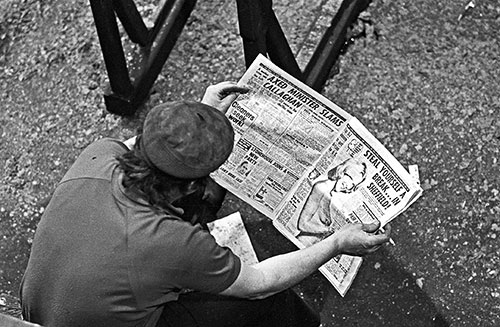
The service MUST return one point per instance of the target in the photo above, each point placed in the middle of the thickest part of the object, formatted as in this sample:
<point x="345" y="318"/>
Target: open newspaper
<point x="310" y="166"/>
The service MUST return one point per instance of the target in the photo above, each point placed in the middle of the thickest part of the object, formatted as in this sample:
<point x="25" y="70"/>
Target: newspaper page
<point x="282" y="127"/>
<point x="310" y="166"/>
<point x="355" y="181"/>
<point x="230" y="232"/>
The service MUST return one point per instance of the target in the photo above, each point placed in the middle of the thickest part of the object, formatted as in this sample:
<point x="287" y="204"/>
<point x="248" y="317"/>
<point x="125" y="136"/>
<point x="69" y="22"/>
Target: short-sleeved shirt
<point x="101" y="257"/>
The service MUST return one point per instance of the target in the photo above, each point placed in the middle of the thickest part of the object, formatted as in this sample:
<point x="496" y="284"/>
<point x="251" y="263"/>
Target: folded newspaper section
<point x="230" y="232"/>
<point x="310" y="166"/>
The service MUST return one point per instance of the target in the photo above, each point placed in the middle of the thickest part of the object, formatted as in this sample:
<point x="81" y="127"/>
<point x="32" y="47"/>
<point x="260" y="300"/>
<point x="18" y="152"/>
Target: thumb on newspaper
<point x="371" y="228"/>
<point x="222" y="94"/>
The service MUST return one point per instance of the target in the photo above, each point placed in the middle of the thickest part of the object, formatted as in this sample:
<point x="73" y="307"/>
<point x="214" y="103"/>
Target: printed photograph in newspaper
<point x="310" y="166"/>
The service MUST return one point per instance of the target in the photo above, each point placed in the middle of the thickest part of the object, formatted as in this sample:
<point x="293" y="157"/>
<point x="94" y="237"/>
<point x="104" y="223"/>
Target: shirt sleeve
<point x="206" y="266"/>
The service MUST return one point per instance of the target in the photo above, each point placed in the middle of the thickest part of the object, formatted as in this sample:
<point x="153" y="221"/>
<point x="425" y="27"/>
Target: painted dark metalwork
<point x="328" y="50"/>
<point x="132" y="21"/>
<point x="259" y="27"/>
<point x="261" y="33"/>
<point x="111" y="46"/>
<point x="165" y="39"/>
<point x="129" y="87"/>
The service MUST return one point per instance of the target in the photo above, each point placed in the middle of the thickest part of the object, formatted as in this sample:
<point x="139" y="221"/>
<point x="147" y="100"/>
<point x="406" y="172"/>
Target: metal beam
<point x="328" y="50"/>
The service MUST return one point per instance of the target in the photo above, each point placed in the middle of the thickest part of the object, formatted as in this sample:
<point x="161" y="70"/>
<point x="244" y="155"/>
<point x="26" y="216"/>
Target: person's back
<point x="80" y="237"/>
<point x="102" y="258"/>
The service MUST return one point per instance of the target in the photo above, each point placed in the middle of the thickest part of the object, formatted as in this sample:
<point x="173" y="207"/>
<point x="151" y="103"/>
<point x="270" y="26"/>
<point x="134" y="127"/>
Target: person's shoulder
<point x="97" y="160"/>
<point x="107" y="144"/>
<point x="103" y="149"/>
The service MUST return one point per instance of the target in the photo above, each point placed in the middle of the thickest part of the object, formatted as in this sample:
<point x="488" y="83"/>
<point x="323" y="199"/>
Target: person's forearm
<point x="283" y="271"/>
<point x="280" y="272"/>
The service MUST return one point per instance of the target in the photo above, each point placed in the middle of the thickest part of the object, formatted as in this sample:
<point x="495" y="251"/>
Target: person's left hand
<point x="222" y="94"/>
<point x="361" y="239"/>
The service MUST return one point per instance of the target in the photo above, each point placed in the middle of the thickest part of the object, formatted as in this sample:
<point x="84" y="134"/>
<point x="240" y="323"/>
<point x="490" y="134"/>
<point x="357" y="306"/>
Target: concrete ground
<point x="421" y="75"/>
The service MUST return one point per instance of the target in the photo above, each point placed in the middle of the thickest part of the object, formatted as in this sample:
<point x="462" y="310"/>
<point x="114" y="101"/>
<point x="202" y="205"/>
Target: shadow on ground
<point x="383" y="293"/>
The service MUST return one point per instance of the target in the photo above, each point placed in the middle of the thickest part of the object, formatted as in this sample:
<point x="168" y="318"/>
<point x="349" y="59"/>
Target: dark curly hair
<point x="155" y="186"/>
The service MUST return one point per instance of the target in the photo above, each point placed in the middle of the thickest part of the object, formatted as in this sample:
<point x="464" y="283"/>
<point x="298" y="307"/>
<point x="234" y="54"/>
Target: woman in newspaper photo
<point x="319" y="216"/>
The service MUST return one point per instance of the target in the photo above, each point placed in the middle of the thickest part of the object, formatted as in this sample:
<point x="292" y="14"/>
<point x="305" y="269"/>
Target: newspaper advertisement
<point x="310" y="166"/>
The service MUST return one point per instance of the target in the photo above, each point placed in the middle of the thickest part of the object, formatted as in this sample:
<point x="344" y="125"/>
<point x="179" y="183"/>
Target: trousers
<point x="195" y="309"/>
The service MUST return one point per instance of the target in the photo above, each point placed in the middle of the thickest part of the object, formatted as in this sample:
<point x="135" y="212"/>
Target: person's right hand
<point x="222" y="94"/>
<point x="361" y="239"/>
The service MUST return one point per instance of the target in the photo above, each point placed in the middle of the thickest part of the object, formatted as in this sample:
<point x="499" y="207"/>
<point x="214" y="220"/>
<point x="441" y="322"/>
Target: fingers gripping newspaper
<point x="310" y="166"/>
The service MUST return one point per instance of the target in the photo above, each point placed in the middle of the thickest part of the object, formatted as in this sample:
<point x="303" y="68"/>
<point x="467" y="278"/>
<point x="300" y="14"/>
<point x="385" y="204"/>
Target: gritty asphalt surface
<point x="421" y="75"/>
